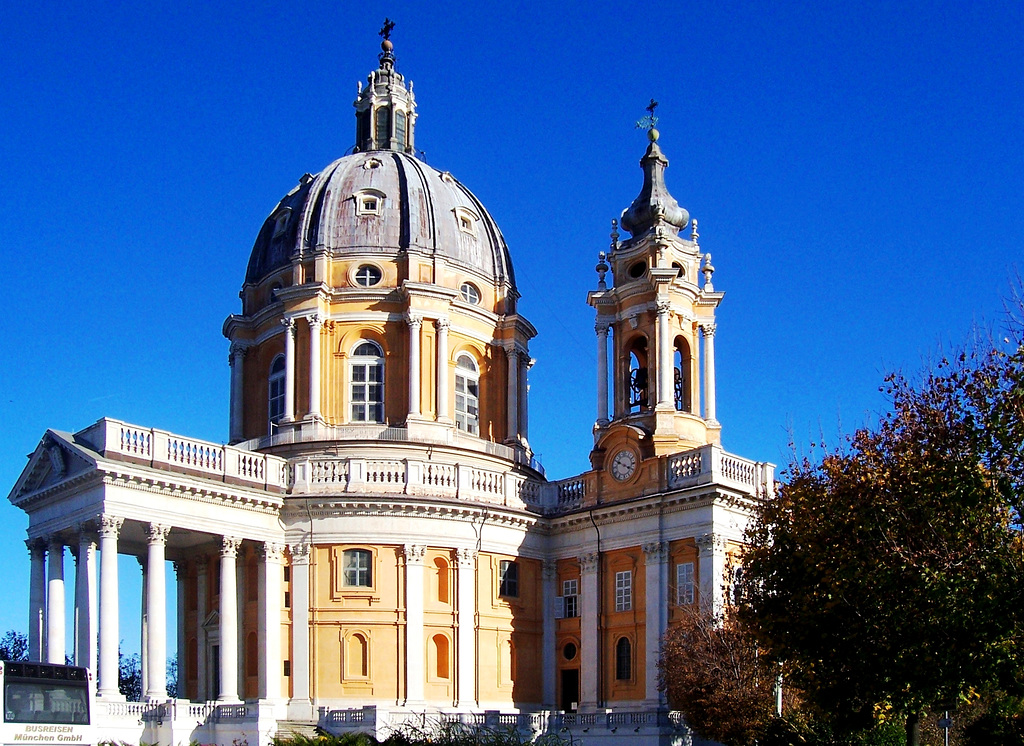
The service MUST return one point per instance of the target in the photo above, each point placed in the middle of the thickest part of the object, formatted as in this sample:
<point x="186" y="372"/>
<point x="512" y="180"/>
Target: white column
<point x="315" y="323"/>
<point x="270" y="578"/>
<point x="442" y="370"/>
<point x="525" y="363"/>
<point x="465" y="652"/>
<point x="300" y="622"/>
<point x="180" y="586"/>
<point x="415" y="322"/>
<point x="415" y="669"/>
<point x="656" y="614"/>
<point x="236" y="360"/>
<point x="590" y="651"/>
<point x="156" y="612"/>
<point x="602" y="372"/>
<point x="144" y="625"/>
<point x="55" y="602"/>
<point x="709" y="372"/>
<point x="711" y="568"/>
<point x="513" y="392"/>
<point x="202" y="668"/>
<point x="109" y="636"/>
<point x="289" y="370"/>
<point x="36" y="599"/>
<point x="85" y="601"/>
<point x="549" y="590"/>
<point x="666" y="388"/>
<point x="228" y="620"/>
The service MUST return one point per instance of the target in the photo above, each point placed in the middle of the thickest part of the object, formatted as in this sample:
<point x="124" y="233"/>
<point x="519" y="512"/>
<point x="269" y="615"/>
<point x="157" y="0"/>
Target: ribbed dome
<point x="383" y="202"/>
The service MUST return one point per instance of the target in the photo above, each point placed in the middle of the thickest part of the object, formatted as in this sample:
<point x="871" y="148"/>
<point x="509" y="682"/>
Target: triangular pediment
<point x="212" y="621"/>
<point x="56" y="459"/>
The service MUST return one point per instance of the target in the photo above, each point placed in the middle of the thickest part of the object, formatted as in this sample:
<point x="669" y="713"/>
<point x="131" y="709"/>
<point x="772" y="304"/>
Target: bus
<point x="45" y="703"/>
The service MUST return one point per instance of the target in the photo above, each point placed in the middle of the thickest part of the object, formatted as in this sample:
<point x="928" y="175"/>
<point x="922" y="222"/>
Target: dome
<point x="383" y="202"/>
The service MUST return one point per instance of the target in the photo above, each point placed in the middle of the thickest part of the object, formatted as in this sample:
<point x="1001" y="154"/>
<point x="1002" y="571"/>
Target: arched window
<point x="441" y="657"/>
<point x="637" y="378"/>
<point x="681" y="376"/>
<point x="357" y="656"/>
<point x="357" y="568"/>
<point x="623" y="660"/>
<point x="441" y="570"/>
<point x="467" y="395"/>
<point x="275" y="392"/>
<point x="383" y="127"/>
<point x="367" y="383"/>
<point x="400" y="129"/>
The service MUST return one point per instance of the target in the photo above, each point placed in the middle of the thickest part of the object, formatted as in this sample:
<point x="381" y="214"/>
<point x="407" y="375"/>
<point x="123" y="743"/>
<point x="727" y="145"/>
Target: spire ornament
<point x="649" y="122"/>
<point x="386" y="56"/>
<point x="654" y="206"/>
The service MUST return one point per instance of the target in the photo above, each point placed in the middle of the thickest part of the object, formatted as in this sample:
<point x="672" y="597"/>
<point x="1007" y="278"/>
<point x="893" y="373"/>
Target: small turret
<point x="385" y="108"/>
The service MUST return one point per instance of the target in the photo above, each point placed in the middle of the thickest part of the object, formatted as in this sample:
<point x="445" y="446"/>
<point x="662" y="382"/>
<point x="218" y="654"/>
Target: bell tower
<point x="652" y="321"/>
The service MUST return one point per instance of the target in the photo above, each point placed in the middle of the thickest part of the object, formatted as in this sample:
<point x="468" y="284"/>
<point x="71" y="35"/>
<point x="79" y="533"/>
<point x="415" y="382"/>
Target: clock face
<point x="623" y="465"/>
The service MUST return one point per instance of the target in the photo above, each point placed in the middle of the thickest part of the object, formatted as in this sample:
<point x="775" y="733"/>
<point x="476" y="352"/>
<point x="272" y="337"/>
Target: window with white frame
<point x="684" y="583"/>
<point x="366" y="376"/>
<point x="368" y="276"/>
<point x="467" y="395"/>
<point x="624" y="590"/>
<point x="275" y="392"/>
<point x="509" y="579"/>
<point x="469" y="293"/>
<point x="571" y="598"/>
<point x="357" y="568"/>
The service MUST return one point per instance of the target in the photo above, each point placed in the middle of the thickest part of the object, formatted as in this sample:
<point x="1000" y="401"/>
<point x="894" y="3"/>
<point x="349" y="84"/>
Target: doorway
<point x="570" y="699"/>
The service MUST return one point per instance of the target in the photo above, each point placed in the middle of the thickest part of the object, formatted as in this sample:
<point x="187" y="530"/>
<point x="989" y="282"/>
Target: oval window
<point x="569" y="651"/>
<point x="469" y="293"/>
<point x="368" y="275"/>
<point x="638" y="270"/>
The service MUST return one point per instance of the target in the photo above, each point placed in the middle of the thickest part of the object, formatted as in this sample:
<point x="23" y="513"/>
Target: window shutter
<point x="559" y="607"/>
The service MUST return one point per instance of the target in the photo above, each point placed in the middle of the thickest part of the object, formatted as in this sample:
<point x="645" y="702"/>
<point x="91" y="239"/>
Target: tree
<point x="13" y="646"/>
<point x="887" y="574"/>
<point x="712" y="672"/>
<point x="129" y="676"/>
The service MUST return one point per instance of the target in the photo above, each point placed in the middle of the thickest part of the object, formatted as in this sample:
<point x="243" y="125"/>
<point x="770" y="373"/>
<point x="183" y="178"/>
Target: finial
<point x="615" y="235"/>
<point x="708" y="270"/>
<point x="694" y="235"/>
<point x="387" y="59"/>
<point x="602" y="270"/>
<point x="649" y="122"/>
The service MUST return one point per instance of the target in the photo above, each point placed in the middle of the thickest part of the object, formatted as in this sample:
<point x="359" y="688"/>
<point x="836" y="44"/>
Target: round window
<point x="368" y="275"/>
<point x="569" y="651"/>
<point x="638" y="270"/>
<point x="469" y="293"/>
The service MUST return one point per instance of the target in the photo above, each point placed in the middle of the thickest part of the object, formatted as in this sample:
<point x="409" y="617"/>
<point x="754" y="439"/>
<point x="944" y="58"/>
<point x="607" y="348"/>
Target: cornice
<point x="412" y="507"/>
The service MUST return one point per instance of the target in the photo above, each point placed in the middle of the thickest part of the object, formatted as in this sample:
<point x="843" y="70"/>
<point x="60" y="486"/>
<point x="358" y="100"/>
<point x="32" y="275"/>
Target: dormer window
<point x="466" y="221"/>
<point x="369" y="202"/>
<point x="281" y="223"/>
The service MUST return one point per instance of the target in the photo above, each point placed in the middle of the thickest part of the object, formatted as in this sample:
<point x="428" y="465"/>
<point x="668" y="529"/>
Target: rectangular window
<point x="624" y="590"/>
<point x="357" y="568"/>
<point x="684" y="583"/>
<point x="509" y="585"/>
<point x="570" y="594"/>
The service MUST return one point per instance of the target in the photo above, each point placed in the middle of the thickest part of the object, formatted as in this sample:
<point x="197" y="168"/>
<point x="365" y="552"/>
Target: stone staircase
<point x="296" y="728"/>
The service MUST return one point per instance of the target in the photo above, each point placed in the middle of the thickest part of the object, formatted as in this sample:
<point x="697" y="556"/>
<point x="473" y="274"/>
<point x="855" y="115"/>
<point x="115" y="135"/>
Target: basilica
<point x="376" y="544"/>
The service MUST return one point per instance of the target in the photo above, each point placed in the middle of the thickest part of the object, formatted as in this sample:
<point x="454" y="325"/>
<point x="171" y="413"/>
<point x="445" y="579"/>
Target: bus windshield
<point x="35" y="693"/>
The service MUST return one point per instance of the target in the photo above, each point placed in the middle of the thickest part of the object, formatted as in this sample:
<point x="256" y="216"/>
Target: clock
<point x="623" y="464"/>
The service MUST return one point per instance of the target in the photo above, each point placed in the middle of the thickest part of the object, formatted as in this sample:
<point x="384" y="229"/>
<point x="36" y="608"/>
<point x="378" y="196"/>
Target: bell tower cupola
<point x="385" y="108"/>
<point x="655" y="322"/>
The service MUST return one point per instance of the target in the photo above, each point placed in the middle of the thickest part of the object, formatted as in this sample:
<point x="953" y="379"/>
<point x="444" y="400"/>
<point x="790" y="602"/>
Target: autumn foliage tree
<point x="887" y="573"/>
<point x="712" y="672"/>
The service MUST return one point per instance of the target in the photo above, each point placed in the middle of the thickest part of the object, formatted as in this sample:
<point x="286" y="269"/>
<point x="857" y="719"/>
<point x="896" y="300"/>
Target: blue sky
<point x="857" y="171"/>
